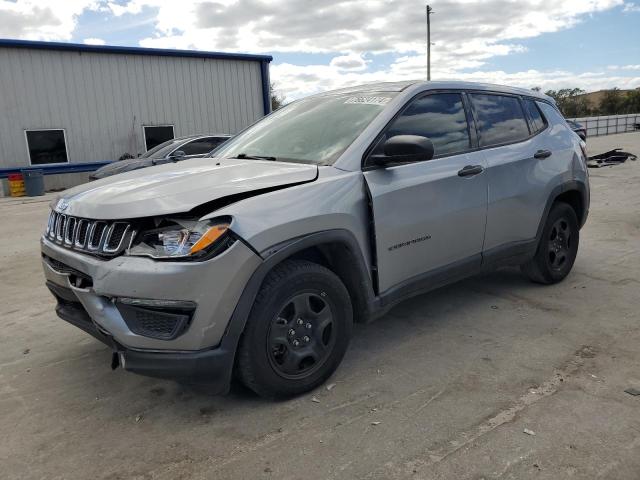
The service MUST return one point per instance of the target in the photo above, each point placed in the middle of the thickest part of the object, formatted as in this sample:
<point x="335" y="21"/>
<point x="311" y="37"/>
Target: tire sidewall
<point x="313" y="278"/>
<point x="559" y="211"/>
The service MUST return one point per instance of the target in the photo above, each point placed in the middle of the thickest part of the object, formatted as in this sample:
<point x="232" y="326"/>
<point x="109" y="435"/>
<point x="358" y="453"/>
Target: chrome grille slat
<point x="69" y="230"/>
<point x="52" y="219"/>
<point x="60" y="227"/>
<point x="97" y="237"/>
<point x="81" y="233"/>
<point x="115" y="229"/>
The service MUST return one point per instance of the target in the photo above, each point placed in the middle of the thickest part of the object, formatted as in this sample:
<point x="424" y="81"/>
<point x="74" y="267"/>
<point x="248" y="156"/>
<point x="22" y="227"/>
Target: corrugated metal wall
<point x="102" y="100"/>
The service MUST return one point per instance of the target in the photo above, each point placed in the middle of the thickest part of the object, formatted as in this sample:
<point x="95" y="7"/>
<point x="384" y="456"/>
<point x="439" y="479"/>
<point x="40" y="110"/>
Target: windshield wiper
<point x="244" y="156"/>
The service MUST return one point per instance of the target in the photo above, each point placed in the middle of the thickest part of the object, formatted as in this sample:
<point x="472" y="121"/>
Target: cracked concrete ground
<point x="453" y="378"/>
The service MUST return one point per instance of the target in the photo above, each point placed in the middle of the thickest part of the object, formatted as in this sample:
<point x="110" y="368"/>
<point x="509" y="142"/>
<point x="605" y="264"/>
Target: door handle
<point x="470" y="170"/>
<point x="542" y="154"/>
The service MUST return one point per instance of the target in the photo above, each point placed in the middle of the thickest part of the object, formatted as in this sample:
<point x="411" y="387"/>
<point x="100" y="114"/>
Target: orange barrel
<point x="16" y="185"/>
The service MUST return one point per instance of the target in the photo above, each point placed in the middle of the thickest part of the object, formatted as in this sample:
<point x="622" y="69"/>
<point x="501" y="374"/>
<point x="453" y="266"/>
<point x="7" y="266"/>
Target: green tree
<point x="277" y="99"/>
<point x="632" y="101"/>
<point x="612" y="102"/>
<point x="571" y="101"/>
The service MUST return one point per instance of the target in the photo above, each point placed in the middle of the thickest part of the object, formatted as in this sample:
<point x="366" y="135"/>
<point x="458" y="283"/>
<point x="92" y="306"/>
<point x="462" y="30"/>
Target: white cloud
<point x="94" y="41"/>
<point x="631" y="8"/>
<point x="41" y="20"/>
<point x="351" y="61"/>
<point x="132" y="7"/>
<point x="344" y="26"/>
<point x="467" y="34"/>
<point x="297" y="81"/>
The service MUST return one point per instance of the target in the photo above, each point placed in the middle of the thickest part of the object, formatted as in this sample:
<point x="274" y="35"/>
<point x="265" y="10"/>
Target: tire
<point x="297" y="332"/>
<point x="557" y="248"/>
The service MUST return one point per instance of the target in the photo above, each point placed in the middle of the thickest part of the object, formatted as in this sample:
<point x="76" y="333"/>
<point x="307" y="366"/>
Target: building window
<point x="156" y="134"/>
<point x="46" y="146"/>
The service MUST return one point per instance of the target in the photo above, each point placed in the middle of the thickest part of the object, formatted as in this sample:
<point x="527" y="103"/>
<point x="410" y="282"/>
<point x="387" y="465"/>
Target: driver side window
<point x="440" y="117"/>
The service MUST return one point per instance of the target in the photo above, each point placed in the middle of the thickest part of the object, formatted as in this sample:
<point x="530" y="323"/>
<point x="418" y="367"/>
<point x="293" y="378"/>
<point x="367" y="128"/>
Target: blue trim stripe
<point x="55" y="169"/>
<point x="266" y="89"/>
<point x="161" y="52"/>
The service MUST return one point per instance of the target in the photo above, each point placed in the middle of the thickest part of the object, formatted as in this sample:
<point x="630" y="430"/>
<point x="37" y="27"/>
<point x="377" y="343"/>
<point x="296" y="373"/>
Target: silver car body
<point x="409" y="227"/>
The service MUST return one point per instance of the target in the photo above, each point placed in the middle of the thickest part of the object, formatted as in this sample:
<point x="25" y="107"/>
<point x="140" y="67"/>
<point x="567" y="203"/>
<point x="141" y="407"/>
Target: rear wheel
<point x="558" y="246"/>
<point x="298" y="330"/>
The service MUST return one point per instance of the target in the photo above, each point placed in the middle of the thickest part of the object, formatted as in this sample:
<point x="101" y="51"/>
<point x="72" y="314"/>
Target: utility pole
<point x="429" y="12"/>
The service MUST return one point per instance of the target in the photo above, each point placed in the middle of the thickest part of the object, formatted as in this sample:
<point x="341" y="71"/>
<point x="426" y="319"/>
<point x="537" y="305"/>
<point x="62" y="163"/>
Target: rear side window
<point x="500" y="119"/>
<point x="538" y="123"/>
<point x="440" y="117"/>
<point x="552" y="114"/>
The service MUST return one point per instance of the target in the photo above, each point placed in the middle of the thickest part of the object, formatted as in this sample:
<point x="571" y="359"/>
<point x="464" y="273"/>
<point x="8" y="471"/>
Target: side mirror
<point x="178" y="155"/>
<point x="404" y="149"/>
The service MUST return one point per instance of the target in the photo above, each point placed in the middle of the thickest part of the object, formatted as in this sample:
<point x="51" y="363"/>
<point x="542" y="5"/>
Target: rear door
<point x="519" y="167"/>
<point x="429" y="216"/>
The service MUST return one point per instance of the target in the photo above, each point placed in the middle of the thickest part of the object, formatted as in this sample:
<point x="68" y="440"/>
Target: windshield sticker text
<point x="368" y="100"/>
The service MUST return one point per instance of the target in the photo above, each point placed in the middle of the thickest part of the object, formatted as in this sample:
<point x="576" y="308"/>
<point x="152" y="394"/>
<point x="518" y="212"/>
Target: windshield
<point x="314" y="130"/>
<point x="162" y="150"/>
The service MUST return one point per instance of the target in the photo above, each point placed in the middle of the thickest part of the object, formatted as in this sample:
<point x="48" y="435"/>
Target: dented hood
<point x="178" y="187"/>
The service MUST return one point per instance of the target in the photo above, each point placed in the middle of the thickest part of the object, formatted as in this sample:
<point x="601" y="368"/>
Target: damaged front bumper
<point x="212" y="366"/>
<point x="102" y="297"/>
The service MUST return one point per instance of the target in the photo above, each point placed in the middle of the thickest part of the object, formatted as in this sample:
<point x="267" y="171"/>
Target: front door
<point x="429" y="216"/>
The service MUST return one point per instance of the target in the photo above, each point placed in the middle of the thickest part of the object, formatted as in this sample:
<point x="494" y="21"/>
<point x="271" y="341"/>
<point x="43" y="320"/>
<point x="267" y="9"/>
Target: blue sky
<point x="591" y="44"/>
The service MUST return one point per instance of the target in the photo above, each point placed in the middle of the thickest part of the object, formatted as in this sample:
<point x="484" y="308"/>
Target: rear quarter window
<point x="538" y="122"/>
<point x="552" y="114"/>
<point x="500" y="119"/>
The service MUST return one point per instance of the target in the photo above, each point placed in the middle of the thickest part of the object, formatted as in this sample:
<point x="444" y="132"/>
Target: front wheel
<point x="297" y="332"/>
<point x="558" y="246"/>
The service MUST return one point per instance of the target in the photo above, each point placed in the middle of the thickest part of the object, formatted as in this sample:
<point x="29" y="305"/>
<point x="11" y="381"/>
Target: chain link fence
<point x="609" y="124"/>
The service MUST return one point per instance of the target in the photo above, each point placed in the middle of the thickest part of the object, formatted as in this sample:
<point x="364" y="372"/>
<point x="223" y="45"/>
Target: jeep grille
<point x="97" y="237"/>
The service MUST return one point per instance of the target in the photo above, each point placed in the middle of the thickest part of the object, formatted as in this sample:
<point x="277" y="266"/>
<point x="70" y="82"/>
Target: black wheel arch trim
<point x="273" y="256"/>
<point x="571" y="185"/>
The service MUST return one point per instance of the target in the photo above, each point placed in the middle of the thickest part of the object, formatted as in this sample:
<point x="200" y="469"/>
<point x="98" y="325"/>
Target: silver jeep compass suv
<point x="256" y="262"/>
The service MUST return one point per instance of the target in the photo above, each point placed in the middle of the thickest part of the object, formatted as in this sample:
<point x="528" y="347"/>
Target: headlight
<point x="181" y="239"/>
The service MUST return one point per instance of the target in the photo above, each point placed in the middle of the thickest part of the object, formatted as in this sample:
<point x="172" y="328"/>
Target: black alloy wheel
<point x="301" y="335"/>
<point x="559" y="244"/>
<point x="297" y="332"/>
<point x="557" y="247"/>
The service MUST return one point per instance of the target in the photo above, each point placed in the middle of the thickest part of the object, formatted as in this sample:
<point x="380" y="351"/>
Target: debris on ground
<point x="610" y="158"/>
<point x="632" y="391"/>
<point x="529" y="432"/>
<point x="315" y="400"/>
<point x="331" y="386"/>
<point x="138" y="418"/>
<point x="375" y="423"/>
<point x="26" y="351"/>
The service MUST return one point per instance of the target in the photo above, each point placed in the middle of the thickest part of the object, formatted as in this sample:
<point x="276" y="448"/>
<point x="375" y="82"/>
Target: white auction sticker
<point x="368" y="100"/>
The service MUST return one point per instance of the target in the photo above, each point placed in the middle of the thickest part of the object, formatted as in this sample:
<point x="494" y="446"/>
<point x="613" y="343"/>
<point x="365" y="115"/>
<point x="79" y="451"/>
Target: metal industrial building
<point x="69" y="108"/>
